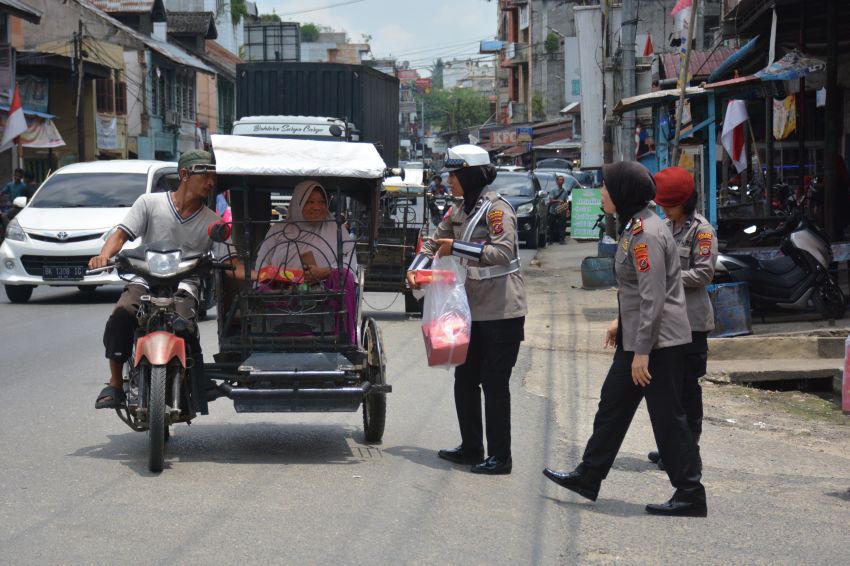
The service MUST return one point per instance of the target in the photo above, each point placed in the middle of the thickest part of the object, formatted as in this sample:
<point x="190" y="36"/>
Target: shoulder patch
<point x="641" y="252"/>
<point x="496" y="220"/>
<point x="637" y="226"/>
<point x="704" y="240"/>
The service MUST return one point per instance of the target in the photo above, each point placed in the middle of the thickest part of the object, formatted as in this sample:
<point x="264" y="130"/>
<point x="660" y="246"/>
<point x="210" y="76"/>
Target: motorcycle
<point x="438" y="205"/>
<point x="160" y="382"/>
<point x="795" y="281"/>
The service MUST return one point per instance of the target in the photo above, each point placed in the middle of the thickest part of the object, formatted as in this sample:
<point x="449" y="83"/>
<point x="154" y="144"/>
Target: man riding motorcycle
<point x="438" y="198"/>
<point x="179" y="216"/>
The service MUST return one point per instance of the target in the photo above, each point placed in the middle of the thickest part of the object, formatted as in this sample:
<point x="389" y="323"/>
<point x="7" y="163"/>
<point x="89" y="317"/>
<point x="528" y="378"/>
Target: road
<point x="268" y="488"/>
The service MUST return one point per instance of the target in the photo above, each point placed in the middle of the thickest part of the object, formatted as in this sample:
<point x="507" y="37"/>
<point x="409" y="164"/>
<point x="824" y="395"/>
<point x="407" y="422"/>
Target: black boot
<point x="675" y="508"/>
<point x="461" y="455"/>
<point x="583" y="481"/>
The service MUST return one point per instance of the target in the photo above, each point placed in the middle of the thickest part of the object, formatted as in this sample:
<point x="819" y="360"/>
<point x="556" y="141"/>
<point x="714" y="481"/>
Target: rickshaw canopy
<point x="245" y="155"/>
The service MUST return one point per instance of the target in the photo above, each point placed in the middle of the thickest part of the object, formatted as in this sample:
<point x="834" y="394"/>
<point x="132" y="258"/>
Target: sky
<point x="418" y="31"/>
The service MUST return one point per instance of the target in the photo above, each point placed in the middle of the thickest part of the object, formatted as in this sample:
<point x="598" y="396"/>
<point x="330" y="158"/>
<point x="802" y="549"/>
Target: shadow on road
<point x="75" y="297"/>
<point x="600" y="506"/>
<point x="250" y="443"/>
<point x="423" y="457"/>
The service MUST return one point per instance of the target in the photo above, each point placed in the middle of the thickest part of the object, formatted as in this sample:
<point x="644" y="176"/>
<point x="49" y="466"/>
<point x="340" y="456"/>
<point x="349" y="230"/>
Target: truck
<point x="357" y="95"/>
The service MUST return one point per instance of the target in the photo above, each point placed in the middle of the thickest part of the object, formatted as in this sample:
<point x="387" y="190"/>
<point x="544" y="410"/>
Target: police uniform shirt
<point x="652" y="300"/>
<point x="697" y="242"/>
<point x="493" y="243"/>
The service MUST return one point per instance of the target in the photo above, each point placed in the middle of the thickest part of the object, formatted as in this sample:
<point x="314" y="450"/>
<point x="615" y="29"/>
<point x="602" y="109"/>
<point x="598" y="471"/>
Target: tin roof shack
<point x="356" y="93"/>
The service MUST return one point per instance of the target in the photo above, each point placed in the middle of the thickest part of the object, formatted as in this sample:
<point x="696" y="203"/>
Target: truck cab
<point x="298" y="127"/>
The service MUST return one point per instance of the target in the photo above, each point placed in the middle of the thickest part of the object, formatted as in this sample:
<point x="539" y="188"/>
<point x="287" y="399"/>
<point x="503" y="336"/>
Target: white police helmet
<point x="466" y="155"/>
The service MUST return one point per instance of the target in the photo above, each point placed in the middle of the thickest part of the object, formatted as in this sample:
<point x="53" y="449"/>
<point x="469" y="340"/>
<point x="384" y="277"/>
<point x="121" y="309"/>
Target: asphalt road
<point x="268" y="488"/>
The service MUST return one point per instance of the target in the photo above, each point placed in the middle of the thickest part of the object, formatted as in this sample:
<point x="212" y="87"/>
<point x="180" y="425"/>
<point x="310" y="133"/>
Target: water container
<point x="597" y="272"/>
<point x="731" y="304"/>
<point x="845" y="379"/>
<point x="605" y="249"/>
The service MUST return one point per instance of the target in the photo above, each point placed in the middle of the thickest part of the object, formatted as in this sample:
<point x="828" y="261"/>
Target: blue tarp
<point x="792" y="66"/>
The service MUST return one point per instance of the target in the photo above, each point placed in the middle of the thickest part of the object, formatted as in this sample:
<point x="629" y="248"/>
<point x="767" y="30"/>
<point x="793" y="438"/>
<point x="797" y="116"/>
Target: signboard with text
<point x="506" y="136"/>
<point x="523" y="134"/>
<point x="586" y="208"/>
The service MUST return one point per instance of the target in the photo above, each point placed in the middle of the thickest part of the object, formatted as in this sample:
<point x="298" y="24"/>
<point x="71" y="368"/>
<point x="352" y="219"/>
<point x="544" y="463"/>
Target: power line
<point x="322" y="8"/>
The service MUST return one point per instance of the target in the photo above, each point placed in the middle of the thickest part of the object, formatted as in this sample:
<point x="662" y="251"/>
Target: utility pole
<point x="78" y="59"/>
<point x="627" y="133"/>
<point x="683" y="81"/>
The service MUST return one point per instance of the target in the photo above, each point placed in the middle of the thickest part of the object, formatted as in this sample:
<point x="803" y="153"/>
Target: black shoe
<point x="675" y="508"/>
<point x="493" y="466"/>
<point x="584" y="482"/>
<point x="460" y="455"/>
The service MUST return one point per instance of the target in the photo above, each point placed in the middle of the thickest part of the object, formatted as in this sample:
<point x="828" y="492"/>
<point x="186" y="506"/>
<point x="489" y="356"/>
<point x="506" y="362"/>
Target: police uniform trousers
<point x="493" y="350"/>
<point x="619" y="400"/>
<point x="696" y="360"/>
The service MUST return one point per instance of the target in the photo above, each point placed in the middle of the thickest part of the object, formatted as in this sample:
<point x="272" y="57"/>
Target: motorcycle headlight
<point x="15" y="232"/>
<point x="525" y="208"/>
<point x="163" y="264"/>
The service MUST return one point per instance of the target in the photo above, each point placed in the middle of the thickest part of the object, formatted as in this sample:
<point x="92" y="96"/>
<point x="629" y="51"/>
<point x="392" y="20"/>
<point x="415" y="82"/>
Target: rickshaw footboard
<point x="333" y="399"/>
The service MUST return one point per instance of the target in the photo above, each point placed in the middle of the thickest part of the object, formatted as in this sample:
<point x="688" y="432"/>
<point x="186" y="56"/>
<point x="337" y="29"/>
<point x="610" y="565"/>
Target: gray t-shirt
<point x="154" y="218"/>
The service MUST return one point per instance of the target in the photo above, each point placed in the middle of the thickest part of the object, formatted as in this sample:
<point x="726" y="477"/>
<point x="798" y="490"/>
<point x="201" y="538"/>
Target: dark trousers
<point x="557" y="227"/>
<point x="618" y="402"/>
<point x="696" y="360"/>
<point x="493" y="351"/>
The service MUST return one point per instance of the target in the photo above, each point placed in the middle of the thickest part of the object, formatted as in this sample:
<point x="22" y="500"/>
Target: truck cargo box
<point x="362" y="95"/>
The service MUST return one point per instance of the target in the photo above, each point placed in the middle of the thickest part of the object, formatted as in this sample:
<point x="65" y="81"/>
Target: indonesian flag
<point x="16" y="123"/>
<point x="732" y="137"/>
<point x="648" y="49"/>
<point x="681" y="5"/>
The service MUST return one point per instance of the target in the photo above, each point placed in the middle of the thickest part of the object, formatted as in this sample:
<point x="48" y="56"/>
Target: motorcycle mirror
<point x="19" y="202"/>
<point x="750" y="229"/>
<point x="219" y="231"/>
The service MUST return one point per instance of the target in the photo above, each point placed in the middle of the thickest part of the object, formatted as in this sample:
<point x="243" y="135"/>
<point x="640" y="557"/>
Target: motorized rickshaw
<point x="286" y="342"/>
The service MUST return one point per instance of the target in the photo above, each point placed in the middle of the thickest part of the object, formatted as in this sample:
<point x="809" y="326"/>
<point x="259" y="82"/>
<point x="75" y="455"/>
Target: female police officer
<point x="481" y="230"/>
<point x="697" y="244"/>
<point x="649" y="335"/>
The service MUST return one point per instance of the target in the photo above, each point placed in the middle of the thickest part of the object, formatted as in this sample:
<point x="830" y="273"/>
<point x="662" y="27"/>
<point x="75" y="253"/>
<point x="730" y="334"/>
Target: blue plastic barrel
<point x="597" y="272"/>
<point x="606" y="250"/>
<point x="731" y="303"/>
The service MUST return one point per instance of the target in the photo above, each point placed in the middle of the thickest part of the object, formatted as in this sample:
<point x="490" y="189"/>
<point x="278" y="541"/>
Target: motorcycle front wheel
<point x="156" y="418"/>
<point x="829" y="300"/>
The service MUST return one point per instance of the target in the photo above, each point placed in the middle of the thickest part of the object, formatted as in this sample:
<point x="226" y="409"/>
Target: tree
<point x="437" y="74"/>
<point x="552" y="43"/>
<point x="309" y="33"/>
<point x="270" y="18"/>
<point x="538" y="108"/>
<point x="238" y="10"/>
<point x="455" y="109"/>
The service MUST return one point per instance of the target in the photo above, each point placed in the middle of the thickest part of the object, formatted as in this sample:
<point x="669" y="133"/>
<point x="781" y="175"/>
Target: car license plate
<point x="64" y="272"/>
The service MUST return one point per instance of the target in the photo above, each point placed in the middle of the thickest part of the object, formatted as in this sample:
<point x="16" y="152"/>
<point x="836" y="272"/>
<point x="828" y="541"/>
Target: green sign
<point x="586" y="208"/>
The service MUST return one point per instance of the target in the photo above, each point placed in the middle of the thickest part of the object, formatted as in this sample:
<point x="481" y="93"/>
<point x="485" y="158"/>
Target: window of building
<point x="185" y="96"/>
<point x="121" y="98"/>
<point x="104" y="95"/>
<point x="576" y="87"/>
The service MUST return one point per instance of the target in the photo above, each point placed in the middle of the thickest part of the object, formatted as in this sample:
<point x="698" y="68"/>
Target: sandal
<point x="110" y="398"/>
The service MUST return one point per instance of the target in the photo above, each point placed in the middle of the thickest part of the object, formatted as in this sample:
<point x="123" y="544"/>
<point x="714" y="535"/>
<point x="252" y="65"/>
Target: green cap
<point x="194" y="157"/>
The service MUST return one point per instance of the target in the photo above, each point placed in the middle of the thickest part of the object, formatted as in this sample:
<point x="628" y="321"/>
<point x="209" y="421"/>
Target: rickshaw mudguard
<point x="159" y="348"/>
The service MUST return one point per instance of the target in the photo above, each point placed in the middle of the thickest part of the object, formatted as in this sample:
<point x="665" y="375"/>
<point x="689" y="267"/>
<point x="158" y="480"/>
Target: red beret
<point x="673" y="186"/>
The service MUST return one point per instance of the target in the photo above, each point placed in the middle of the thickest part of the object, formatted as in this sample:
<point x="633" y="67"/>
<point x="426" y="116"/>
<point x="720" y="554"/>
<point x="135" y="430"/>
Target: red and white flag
<point x="648" y="48"/>
<point x="16" y="123"/>
<point x="681" y="5"/>
<point x="733" y="134"/>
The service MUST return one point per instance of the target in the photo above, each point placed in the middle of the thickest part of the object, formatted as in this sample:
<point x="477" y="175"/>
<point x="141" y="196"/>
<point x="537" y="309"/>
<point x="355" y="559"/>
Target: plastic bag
<point x="446" y="318"/>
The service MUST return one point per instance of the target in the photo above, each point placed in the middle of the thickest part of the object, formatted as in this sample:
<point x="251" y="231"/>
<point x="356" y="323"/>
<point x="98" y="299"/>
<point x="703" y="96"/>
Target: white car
<point x="69" y="218"/>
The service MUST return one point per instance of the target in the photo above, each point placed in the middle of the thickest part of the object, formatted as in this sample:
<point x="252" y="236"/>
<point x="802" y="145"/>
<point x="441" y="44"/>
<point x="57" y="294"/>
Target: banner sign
<point x="586" y="208"/>
<point x="523" y="134"/>
<point x="505" y="136"/>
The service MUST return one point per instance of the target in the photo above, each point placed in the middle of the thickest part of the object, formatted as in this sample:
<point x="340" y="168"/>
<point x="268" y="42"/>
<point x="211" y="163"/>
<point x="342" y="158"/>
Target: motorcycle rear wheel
<point x="829" y="300"/>
<point x="156" y="418"/>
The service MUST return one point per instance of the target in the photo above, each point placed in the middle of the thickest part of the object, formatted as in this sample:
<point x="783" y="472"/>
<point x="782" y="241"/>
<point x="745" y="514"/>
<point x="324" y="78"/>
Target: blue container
<point x="606" y="250"/>
<point x="731" y="303"/>
<point x="597" y="273"/>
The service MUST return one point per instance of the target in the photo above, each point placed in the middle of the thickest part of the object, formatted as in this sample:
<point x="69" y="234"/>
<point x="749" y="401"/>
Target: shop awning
<point x="21" y="10"/>
<point x="28" y="112"/>
<point x="656" y="98"/>
<point x="492" y="146"/>
<point x="701" y="63"/>
<point x="515" y="150"/>
<point x="571" y="108"/>
<point x="557" y="140"/>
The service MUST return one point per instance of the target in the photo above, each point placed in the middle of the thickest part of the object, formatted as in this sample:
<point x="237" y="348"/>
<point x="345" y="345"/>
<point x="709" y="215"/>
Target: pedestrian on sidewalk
<point x="481" y="230"/>
<point x="558" y="211"/>
<point x="697" y="243"/>
<point x="650" y="337"/>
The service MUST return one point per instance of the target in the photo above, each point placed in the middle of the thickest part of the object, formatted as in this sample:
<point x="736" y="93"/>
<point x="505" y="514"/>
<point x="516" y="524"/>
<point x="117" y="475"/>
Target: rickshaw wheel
<point x="374" y="404"/>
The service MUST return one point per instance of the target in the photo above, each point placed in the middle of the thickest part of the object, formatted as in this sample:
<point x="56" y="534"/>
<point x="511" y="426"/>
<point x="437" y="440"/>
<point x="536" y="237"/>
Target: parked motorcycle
<point x="796" y="280"/>
<point x="159" y="384"/>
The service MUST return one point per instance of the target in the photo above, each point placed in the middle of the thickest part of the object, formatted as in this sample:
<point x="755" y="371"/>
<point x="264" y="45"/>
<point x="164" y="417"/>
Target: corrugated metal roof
<point x="171" y="52"/>
<point x="701" y="64"/>
<point x="124" y="6"/>
<point x="194" y="23"/>
<point x="22" y="10"/>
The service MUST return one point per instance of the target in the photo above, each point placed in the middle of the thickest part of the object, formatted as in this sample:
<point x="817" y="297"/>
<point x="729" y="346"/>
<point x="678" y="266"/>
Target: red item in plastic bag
<point x="273" y="273"/>
<point x="427" y="276"/>
<point x="446" y="340"/>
